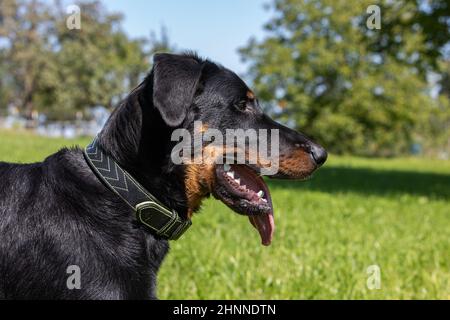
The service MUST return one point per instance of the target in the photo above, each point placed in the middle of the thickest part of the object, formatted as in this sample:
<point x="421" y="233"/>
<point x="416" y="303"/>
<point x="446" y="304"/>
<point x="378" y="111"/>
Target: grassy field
<point x="354" y="213"/>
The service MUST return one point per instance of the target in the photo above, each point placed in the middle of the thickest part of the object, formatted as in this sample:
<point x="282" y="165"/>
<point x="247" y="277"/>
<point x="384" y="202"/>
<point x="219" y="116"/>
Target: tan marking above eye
<point x="203" y="128"/>
<point x="250" y="95"/>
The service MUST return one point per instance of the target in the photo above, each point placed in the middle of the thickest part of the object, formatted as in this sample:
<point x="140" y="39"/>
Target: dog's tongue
<point x="265" y="224"/>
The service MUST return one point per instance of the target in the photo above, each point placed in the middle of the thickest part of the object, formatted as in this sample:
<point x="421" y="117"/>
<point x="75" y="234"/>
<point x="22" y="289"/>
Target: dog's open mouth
<point x="244" y="191"/>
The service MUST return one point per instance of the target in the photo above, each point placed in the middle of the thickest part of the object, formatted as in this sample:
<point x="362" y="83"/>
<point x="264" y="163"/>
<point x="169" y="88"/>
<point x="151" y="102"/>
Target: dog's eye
<point x="241" y="106"/>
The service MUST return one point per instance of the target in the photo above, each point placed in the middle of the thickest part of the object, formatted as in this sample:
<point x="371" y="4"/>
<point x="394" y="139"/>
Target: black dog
<point x="62" y="212"/>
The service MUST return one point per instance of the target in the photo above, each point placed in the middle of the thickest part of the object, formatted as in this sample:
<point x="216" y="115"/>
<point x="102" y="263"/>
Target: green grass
<point x="25" y="147"/>
<point x="394" y="213"/>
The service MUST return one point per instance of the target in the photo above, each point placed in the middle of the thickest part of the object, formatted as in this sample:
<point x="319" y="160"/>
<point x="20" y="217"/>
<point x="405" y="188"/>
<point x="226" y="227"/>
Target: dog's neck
<point x="137" y="138"/>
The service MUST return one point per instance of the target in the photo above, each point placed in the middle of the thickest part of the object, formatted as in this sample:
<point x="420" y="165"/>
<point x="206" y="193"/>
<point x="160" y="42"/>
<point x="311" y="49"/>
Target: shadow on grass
<point x="373" y="182"/>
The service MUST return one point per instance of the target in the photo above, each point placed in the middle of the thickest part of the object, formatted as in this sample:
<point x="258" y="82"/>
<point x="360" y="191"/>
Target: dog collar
<point x="162" y="221"/>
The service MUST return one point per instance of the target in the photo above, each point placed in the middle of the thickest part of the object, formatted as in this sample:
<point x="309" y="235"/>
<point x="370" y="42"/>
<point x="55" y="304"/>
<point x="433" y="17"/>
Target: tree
<point x="60" y="72"/>
<point x="25" y="53"/>
<point x="429" y="19"/>
<point x="4" y="90"/>
<point x="329" y="76"/>
<point x="94" y="66"/>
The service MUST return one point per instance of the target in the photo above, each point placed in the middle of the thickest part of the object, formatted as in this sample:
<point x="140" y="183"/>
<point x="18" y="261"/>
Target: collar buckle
<point x="162" y="221"/>
<point x="149" y="211"/>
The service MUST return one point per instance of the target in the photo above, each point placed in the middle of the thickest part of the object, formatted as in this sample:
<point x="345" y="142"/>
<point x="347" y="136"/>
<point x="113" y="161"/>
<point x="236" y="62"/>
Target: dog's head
<point x="213" y="103"/>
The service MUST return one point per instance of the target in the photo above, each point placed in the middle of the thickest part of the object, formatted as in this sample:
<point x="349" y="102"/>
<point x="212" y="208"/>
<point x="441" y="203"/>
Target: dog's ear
<point x="175" y="80"/>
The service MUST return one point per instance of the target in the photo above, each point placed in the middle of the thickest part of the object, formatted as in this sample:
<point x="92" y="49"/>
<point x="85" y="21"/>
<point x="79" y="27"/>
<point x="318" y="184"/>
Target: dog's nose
<point x="319" y="154"/>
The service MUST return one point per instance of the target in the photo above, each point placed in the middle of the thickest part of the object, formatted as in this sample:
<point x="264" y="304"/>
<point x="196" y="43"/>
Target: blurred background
<point x="316" y="65"/>
<point x="371" y="84"/>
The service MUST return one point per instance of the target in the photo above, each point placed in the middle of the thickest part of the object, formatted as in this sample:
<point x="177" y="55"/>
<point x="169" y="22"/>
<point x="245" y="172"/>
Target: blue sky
<point x="215" y="29"/>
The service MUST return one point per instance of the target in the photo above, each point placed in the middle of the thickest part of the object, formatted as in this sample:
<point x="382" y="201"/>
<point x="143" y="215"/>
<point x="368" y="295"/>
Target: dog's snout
<point x="319" y="154"/>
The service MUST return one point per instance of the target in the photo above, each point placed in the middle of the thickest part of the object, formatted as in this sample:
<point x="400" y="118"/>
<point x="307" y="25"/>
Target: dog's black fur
<point x="56" y="213"/>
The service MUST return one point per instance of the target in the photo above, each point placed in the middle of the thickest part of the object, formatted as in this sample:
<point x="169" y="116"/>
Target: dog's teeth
<point x="226" y="167"/>
<point x="230" y="174"/>
<point x="238" y="181"/>
<point x="261" y="193"/>
<point x="244" y="187"/>
<point x="264" y="200"/>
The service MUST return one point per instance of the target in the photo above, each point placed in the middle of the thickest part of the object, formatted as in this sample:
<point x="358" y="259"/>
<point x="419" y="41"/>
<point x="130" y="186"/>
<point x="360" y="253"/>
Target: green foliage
<point x="428" y="20"/>
<point x="25" y="59"/>
<point x="98" y="63"/>
<point x="49" y="68"/>
<point x="4" y="92"/>
<point x="353" y="213"/>
<point x="341" y="82"/>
